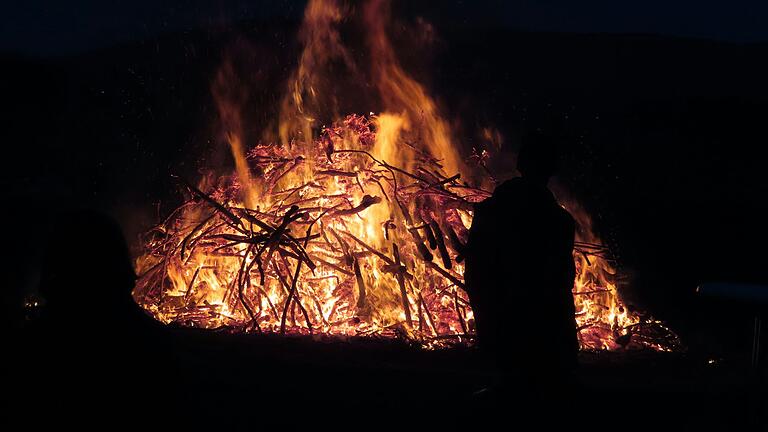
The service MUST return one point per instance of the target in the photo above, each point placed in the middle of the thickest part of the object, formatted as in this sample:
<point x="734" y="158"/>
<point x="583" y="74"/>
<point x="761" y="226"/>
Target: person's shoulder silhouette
<point x="520" y="259"/>
<point x="87" y="271"/>
<point x="87" y="280"/>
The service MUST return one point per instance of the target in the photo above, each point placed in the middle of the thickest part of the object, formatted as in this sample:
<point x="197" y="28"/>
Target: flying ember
<point x="357" y="228"/>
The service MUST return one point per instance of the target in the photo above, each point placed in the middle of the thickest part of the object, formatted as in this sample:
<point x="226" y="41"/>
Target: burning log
<point x="423" y="251"/>
<point x="366" y="202"/>
<point x="441" y="244"/>
<point x="423" y="304"/>
<point x="430" y="236"/>
<point x="456" y="244"/>
<point x="401" y="282"/>
<point x="458" y="311"/>
<point x="369" y="248"/>
<point x="454" y="280"/>
<point x="361" y="288"/>
<point x="292" y="295"/>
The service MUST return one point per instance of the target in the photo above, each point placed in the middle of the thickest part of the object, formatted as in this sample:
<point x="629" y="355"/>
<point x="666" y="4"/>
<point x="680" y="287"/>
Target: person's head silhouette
<point x="87" y="273"/>
<point x="538" y="159"/>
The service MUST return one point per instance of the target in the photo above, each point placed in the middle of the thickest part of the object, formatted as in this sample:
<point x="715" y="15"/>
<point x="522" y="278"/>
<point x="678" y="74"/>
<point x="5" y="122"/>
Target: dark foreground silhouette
<point x="92" y="348"/>
<point x="520" y="273"/>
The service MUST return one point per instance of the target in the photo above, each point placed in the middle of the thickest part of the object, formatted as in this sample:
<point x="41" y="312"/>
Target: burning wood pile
<point x="352" y="246"/>
<point x="356" y="231"/>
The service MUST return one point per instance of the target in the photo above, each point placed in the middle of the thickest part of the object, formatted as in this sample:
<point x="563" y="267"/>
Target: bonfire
<point x="357" y="230"/>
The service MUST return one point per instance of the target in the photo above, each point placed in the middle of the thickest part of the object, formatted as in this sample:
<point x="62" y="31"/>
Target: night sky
<point x="55" y="28"/>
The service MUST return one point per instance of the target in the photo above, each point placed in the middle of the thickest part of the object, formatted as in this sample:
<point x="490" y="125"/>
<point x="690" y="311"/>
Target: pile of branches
<point x="300" y="238"/>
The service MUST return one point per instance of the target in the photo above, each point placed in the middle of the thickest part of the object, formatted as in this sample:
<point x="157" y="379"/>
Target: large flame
<point x="352" y="229"/>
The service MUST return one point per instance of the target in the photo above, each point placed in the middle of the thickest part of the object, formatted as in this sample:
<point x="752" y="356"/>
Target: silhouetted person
<point x="93" y="345"/>
<point x="520" y="272"/>
<point x="88" y="278"/>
